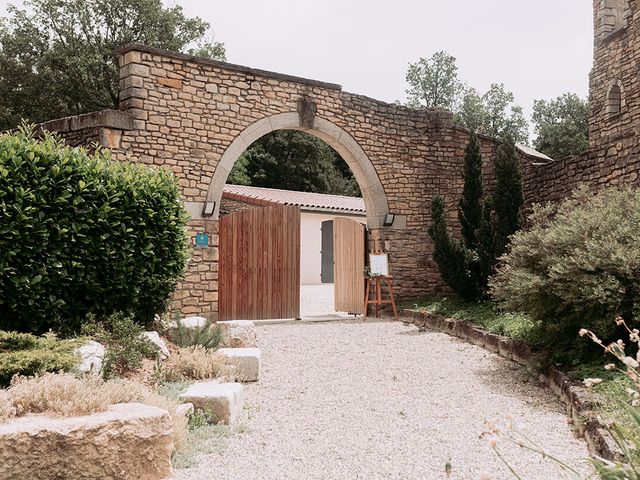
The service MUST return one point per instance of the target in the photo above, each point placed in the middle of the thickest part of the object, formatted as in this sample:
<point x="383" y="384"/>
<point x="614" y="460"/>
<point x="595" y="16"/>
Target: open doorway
<point x="313" y="177"/>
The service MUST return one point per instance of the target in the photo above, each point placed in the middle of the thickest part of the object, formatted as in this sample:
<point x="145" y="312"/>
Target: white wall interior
<point x="311" y="243"/>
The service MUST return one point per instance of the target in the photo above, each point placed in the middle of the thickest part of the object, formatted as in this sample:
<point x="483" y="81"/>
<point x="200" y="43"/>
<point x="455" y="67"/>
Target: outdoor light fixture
<point x="208" y="208"/>
<point x="389" y="219"/>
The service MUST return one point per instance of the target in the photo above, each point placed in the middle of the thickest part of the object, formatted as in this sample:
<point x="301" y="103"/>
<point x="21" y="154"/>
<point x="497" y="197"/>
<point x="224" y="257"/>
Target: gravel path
<point x="381" y="401"/>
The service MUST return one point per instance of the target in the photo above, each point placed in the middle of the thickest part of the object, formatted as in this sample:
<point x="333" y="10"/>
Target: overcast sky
<point x="538" y="49"/>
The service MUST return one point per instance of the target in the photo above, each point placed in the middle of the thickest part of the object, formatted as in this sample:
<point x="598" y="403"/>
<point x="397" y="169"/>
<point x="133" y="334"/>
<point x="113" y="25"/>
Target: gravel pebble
<point x="378" y="400"/>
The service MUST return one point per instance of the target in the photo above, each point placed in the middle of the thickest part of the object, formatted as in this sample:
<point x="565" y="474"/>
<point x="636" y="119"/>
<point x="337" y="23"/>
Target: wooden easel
<point x="377" y="284"/>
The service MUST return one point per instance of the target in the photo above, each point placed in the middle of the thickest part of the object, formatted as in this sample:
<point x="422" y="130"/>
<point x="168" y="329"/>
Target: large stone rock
<point x="91" y="357"/>
<point x="193" y="322"/>
<point x="223" y="401"/>
<point x="246" y="362"/>
<point x="128" y="441"/>
<point x="154" y="337"/>
<point x="238" y="334"/>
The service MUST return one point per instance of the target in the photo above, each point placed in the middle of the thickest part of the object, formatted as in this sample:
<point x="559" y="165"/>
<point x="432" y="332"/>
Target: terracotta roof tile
<point x="304" y="200"/>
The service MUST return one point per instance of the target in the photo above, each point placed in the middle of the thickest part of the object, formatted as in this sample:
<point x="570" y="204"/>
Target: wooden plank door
<point x="348" y="267"/>
<point x="259" y="267"/>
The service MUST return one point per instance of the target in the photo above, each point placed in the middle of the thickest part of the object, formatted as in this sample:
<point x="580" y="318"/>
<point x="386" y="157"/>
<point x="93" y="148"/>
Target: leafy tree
<point x="561" y="125"/>
<point x="294" y="160"/>
<point x="493" y="113"/>
<point x="56" y="56"/>
<point x="508" y="197"/>
<point x="434" y="82"/>
<point x="470" y="211"/>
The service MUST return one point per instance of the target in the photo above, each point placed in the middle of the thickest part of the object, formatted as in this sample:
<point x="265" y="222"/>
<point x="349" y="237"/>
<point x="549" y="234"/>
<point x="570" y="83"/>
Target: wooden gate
<point x="259" y="267"/>
<point x="348" y="256"/>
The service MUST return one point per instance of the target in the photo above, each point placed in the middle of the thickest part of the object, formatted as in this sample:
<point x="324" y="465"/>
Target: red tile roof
<point x="304" y="200"/>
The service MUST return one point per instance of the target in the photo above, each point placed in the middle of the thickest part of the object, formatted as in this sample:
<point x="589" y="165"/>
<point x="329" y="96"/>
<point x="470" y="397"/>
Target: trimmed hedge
<point x="80" y="234"/>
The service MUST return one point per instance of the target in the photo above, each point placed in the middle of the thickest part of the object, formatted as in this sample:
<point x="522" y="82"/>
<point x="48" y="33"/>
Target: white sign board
<point x="379" y="265"/>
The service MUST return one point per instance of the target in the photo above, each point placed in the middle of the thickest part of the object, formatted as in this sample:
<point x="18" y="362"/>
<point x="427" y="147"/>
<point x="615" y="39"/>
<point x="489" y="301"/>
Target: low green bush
<point x="28" y="355"/>
<point x="80" y="233"/>
<point x="126" y="347"/>
<point x="208" y="335"/>
<point x="578" y="265"/>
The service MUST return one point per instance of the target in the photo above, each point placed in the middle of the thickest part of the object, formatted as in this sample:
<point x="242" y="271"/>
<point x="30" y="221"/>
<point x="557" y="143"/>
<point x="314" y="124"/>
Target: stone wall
<point x="184" y="114"/>
<point x="187" y="112"/>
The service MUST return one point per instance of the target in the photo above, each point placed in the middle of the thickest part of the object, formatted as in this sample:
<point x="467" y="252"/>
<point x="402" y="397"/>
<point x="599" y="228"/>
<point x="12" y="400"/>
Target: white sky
<point x="537" y="48"/>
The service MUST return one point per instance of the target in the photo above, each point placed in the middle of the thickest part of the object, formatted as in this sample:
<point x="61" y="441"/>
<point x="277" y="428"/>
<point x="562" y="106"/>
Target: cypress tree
<point x="470" y="208"/>
<point x="507" y="197"/>
<point x="486" y="245"/>
<point x="452" y="258"/>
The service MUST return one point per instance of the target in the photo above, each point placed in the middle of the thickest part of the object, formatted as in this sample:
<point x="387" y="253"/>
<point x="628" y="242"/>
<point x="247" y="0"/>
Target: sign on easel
<point x="379" y="264"/>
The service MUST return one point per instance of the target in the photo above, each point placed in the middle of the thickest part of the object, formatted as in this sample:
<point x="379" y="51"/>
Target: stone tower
<point x="614" y="97"/>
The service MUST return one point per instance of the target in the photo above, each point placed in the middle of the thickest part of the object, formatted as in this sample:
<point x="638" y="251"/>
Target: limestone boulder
<point x="128" y="441"/>
<point x="246" y="362"/>
<point x="193" y="322"/>
<point x="91" y="356"/>
<point x="185" y="409"/>
<point x="223" y="401"/>
<point x="238" y="334"/>
<point x="154" y="337"/>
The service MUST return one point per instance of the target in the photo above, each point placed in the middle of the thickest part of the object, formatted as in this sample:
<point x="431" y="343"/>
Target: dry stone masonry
<point x="196" y="116"/>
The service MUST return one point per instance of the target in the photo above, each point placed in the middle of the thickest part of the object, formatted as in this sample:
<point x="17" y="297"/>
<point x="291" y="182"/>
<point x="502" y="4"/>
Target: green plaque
<point x="202" y="240"/>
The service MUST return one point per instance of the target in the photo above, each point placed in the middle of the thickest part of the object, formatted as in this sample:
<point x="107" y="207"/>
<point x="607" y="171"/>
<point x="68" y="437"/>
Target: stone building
<point x="196" y="116"/>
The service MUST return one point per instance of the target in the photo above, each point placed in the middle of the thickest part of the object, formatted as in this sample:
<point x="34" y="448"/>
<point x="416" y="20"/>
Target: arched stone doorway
<point x="373" y="193"/>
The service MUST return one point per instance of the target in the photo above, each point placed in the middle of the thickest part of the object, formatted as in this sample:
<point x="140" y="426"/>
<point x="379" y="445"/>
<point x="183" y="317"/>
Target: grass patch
<point x="172" y="390"/>
<point x="613" y="400"/>
<point x="484" y="314"/>
<point x="202" y="439"/>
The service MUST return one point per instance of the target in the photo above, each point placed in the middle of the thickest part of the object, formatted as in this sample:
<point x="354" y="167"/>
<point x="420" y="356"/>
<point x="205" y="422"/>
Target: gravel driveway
<point x="379" y="400"/>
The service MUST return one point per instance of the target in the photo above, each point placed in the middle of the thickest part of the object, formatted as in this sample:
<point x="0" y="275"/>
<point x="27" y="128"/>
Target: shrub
<point x="208" y="335"/>
<point x="195" y="363"/>
<point x="81" y="233"/>
<point x="126" y="347"/>
<point x="577" y="266"/>
<point x="26" y="354"/>
<point x="485" y="224"/>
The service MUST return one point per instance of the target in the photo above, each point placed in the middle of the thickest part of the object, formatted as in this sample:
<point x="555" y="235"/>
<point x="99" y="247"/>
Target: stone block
<point x="185" y="409"/>
<point x="238" y="334"/>
<point x="223" y="401"/>
<point x="128" y="441"/>
<point x="154" y="338"/>
<point x="246" y="362"/>
<point x="91" y="357"/>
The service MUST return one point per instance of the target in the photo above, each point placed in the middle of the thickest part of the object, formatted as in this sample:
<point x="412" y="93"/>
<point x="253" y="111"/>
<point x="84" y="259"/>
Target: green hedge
<point x="80" y="234"/>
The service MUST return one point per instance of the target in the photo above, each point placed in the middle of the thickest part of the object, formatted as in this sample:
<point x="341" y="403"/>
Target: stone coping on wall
<point x="578" y="400"/>
<point x="136" y="47"/>
<point x="114" y="119"/>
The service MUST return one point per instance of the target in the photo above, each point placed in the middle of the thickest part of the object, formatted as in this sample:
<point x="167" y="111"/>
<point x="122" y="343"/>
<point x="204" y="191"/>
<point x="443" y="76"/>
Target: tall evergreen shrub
<point x="80" y="234"/>
<point x="485" y="223"/>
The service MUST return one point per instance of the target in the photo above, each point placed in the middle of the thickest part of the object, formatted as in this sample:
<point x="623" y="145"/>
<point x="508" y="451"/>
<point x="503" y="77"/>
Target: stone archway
<point x="373" y="193"/>
<point x="196" y="116"/>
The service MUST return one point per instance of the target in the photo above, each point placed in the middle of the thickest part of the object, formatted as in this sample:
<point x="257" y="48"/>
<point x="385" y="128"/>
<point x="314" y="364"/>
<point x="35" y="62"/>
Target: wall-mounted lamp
<point x="208" y="208"/>
<point x="389" y="219"/>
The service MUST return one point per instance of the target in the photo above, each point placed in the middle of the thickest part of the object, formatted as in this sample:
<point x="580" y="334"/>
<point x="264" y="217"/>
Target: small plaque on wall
<point x="379" y="264"/>
<point x="202" y="240"/>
